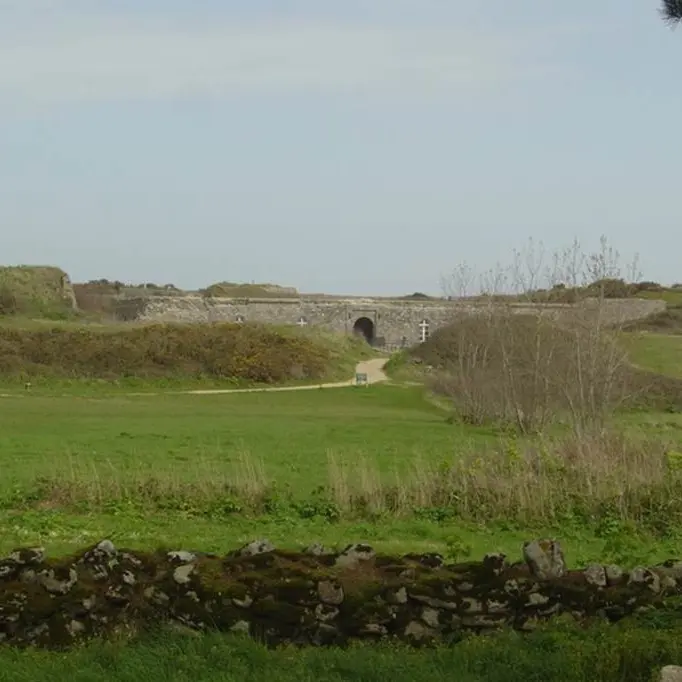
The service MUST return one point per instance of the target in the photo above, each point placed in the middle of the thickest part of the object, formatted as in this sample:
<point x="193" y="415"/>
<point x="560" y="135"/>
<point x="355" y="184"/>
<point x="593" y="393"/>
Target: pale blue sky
<point x="363" y="146"/>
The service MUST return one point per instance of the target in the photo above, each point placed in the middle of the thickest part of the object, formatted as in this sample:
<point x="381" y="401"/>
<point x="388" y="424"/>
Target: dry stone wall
<point x="312" y="597"/>
<point x="391" y="322"/>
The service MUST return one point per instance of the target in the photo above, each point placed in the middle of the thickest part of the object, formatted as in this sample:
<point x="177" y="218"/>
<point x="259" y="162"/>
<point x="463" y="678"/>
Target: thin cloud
<point x="104" y="58"/>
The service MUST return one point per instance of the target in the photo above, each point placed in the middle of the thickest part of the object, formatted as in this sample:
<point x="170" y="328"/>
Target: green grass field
<point x="184" y="436"/>
<point x="659" y="353"/>
<point x="673" y="297"/>
<point x="81" y="462"/>
<point x="560" y="654"/>
<point x="159" y="470"/>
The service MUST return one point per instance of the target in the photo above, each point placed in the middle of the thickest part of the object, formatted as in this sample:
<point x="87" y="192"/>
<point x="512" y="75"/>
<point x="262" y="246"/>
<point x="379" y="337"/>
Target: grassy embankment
<point x="95" y="357"/>
<point x="35" y="291"/>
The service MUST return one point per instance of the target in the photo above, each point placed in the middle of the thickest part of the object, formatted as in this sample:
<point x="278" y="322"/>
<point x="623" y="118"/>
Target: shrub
<point x="245" y="352"/>
<point x="648" y="286"/>
<point x="235" y="290"/>
<point x="8" y="301"/>
<point x="527" y="370"/>
<point x="611" y="288"/>
<point x="668" y="321"/>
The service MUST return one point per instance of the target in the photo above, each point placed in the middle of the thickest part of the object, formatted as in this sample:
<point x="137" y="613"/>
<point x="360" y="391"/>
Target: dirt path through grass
<point x="374" y="369"/>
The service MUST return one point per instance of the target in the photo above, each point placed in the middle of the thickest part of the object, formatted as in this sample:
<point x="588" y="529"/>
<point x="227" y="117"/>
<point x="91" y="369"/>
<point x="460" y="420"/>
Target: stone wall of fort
<point x="382" y="321"/>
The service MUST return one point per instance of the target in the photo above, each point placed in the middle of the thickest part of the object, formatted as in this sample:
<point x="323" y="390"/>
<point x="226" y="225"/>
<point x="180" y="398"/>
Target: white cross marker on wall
<point x="423" y="331"/>
<point x="302" y="322"/>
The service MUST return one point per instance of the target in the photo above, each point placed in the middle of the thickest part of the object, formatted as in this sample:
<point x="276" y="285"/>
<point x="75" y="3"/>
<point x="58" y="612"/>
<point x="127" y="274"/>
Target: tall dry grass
<point x="76" y="482"/>
<point x="627" y="477"/>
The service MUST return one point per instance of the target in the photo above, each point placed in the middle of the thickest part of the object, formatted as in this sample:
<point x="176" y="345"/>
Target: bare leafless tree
<point x="459" y="283"/>
<point x="568" y="266"/>
<point x="528" y="267"/>
<point x="518" y="363"/>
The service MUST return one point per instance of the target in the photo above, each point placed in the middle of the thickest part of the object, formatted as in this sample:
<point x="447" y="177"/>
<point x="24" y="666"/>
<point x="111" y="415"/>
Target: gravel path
<point x="374" y="369"/>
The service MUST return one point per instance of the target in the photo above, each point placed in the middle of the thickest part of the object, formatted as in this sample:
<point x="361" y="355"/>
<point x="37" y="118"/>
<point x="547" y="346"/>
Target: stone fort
<point x="382" y="322"/>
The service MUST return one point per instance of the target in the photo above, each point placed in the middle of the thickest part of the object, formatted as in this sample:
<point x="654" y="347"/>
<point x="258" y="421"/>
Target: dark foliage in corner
<point x="672" y="11"/>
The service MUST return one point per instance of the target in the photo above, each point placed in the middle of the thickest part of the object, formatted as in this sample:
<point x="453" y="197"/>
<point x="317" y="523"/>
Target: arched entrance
<point x="364" y="327"/>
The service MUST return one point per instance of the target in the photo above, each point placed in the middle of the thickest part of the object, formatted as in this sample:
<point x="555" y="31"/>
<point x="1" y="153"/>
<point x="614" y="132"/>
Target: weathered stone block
<point x="545" y="559"/>
<point x="671" y="673"/>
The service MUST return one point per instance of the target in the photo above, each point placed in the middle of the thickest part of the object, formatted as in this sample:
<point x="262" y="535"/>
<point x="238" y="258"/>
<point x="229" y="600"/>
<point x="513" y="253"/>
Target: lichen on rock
<point x="330" y="593"/>
<point x="256" y="547"/>
<point x="595" y="574"/>
<point x="355" y="555"/>
<point x="545" y="559"/>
